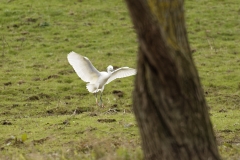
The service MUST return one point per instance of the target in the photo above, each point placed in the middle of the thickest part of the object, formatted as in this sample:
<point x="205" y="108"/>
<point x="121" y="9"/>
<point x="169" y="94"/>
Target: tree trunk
<point x="169" y="102"/>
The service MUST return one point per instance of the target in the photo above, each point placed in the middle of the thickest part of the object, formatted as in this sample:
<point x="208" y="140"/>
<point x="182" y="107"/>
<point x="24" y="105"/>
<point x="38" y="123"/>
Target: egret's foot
<point x="74" y="112"/>
<point x="100" y="104"/>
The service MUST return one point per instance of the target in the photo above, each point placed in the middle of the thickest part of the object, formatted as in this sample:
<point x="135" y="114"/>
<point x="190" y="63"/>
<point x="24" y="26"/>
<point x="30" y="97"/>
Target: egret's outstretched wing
<point x="83" y="67"/>
<point x="121" y="73"/>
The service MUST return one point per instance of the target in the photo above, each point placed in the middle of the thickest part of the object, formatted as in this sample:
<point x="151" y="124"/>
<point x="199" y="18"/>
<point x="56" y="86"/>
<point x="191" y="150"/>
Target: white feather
<point x="121" y="73"/>
<point x="83" y="67"/>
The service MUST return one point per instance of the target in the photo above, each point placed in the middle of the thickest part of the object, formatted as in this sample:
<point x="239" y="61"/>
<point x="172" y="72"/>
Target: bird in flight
<point x="96" y="80"/>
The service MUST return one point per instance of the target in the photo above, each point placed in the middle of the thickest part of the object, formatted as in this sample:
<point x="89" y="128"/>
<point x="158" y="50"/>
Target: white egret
<point x="96" y="80"/>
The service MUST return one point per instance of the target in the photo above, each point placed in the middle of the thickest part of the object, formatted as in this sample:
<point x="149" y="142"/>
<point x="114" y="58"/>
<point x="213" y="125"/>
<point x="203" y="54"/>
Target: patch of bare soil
<point x="58" y="110"/>
<point x="37" y="66"/>
<point x="7" y="83"/>
<point x="43" y="95"/>
<point x="65" y="72"/>
<point x="64" y="110"/>
<point x="226" y="130"/>
<point x="6" y="122"/>
<point x="40" y="141"/>
<point x="38" y="97"/>
<point x="21" y="82"/>
<point x="92" y="114"/>
<point x="106" y="120"/>
<point x="222" y="110"/>
<point x="89" y="129"/>
<point x="33" y="98"/>
<point x="79" y="110"/>
<point x="68" y="97"/>
<point x="112" y="110"/>
<point x="51" y="77"/>
<point x="117" y="93"/>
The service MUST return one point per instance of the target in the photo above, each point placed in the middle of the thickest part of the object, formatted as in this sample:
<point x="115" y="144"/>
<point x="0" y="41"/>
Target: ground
<point x="39" y="90"/>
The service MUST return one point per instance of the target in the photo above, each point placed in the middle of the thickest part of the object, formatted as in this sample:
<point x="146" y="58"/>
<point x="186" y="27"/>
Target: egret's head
<point x="109" y="68"/>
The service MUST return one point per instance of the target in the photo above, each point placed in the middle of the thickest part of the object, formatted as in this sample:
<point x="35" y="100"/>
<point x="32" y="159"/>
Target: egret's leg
<point x="101" y="96"/>
<point x="101" y="100"/>
<point x="96" y="98"/>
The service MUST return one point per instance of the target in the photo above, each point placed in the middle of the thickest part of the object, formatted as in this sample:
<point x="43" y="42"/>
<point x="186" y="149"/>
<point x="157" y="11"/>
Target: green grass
<point x="39" y="90"/>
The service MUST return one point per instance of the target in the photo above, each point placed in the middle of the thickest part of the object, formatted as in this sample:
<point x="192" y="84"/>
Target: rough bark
<point x="169" y="102"/>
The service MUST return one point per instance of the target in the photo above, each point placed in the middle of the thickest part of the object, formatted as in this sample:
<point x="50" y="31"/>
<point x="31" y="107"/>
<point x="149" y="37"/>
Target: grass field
<point x="39" y="90"/>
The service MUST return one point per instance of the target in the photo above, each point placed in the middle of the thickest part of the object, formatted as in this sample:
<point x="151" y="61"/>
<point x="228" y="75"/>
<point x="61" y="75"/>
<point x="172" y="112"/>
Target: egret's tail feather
<point x="92" y="88"/>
